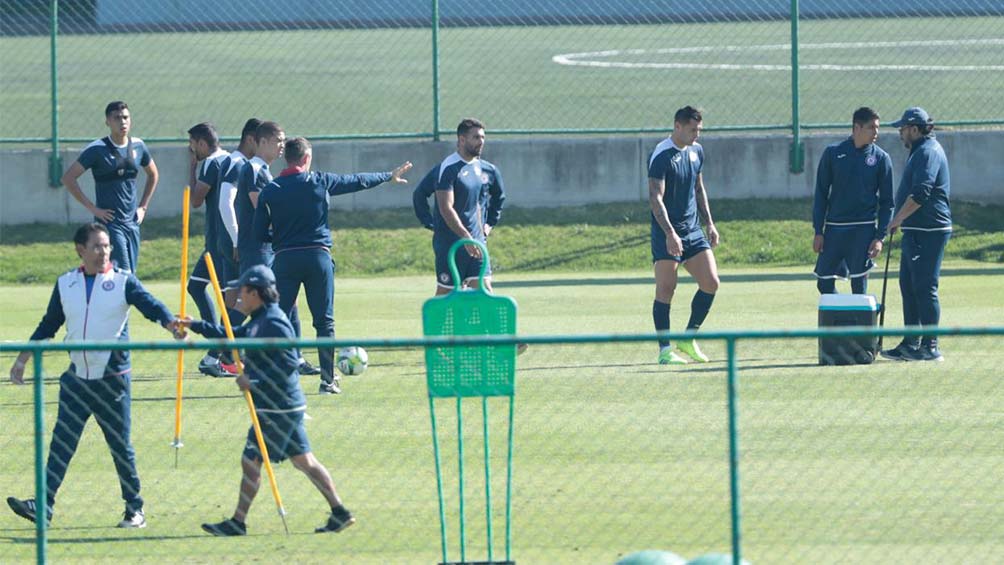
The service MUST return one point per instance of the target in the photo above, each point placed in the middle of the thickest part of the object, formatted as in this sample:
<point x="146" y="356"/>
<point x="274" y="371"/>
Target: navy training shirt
<point x="679" y="168"/>
<point x="853" y="187"/>
<point x="926" y="179"/>
<point x="478" y="196"/>
<point x="210" y="172"/>
<point x="296" y="207"/>
<point x="420" y="198"/>
<point x="275" y="382"/>
<point x="254" y="176"/>
<point x="115" y="174"/>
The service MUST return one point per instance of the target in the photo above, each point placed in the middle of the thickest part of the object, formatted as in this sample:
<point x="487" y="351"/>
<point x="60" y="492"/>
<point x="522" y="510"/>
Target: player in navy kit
<point x="853" y="192"/>
<point x="677" y="196"/>
<point x="269" y="139"/>
<point x="272" y="379"/>
<point x="470" y="195"/>
<point x="295" y="206"/>
<point x="115" y="161"/>
<point x="206" y="164"/>
<point x="924" y="215"/>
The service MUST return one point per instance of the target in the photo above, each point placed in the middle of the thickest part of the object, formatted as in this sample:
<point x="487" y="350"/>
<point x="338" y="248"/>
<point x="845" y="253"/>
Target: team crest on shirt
<point x="484" y="178"/>
<point x="693" y="157"/>
<point x="871" y="160"/>
<point x="107" y="285"/>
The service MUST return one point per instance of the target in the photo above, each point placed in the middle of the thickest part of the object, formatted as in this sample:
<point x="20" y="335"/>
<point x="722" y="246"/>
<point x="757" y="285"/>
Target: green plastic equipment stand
<point x="471" y="371"/>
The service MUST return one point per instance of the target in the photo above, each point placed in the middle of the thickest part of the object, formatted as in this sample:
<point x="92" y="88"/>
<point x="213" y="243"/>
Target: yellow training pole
<point x="218" y="294"/>
<point x="181" y="352"/>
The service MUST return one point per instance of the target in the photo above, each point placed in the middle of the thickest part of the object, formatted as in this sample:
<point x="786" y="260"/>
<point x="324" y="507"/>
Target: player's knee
<point x="710" y="286"/>
<point x="196" y="288"/>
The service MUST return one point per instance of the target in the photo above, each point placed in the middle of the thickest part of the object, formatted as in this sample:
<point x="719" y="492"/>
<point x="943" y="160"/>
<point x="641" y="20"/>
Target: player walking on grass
<point x="274" y="382"/>
<point x="93" y="302"/>
<point x="205" y="172"/>
<point x="677" y="195"/>
<point x="255" y="175"/>
<point x="295" y="207"/>
<point x="113" y="161"/>
<point x="924" y="215"/>
<point x="853" y="191"/>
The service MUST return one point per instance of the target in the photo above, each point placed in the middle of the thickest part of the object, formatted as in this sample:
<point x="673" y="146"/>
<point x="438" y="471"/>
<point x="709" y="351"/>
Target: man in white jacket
<point x="93" y="302"/>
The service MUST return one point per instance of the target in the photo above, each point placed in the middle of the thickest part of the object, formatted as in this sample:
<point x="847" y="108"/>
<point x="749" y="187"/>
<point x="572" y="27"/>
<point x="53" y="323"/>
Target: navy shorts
<point x="201" y="270"/>
<point x="694" y="242"/>
<point x="284" y="433"/>
<point x="845" y="252"/>
<point x="227" y="268"/>
<point x="468" y="267"/>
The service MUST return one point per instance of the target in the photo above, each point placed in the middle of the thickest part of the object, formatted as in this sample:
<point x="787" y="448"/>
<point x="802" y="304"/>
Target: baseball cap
<point x="258" y="276"/>
<point x="915" y="116"/>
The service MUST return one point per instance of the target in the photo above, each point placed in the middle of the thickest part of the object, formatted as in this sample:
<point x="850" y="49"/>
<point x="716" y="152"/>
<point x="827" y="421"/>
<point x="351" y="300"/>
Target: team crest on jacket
<point x="484" y="178"/>
<point x="871" y="160"/>
<point x="252" y="331"/>
<point x="108" y="285"/>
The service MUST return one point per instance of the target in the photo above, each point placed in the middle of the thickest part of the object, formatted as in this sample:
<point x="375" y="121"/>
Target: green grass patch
<point x="613" y="453"/>
<point x="600" y="237"/>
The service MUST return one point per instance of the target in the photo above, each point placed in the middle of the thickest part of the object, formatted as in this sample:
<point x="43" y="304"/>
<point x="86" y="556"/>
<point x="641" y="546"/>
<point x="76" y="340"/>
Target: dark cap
<point x="258" y="276"/>
<point x="915" y="116"/>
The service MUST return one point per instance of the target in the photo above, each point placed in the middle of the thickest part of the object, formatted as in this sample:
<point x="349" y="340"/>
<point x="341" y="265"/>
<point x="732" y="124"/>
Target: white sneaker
<point x="132" y="519"/>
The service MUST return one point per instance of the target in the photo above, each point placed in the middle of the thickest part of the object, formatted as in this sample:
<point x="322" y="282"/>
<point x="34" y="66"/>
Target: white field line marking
<point x="587" y="59"/>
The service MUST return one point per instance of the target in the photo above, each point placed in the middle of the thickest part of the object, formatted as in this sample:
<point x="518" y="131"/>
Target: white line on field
<point x="588" y="58"/>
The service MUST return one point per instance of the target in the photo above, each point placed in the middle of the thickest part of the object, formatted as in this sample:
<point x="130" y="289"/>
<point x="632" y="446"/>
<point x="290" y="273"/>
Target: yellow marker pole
<point x="262" y="448"/>
<point x="181" y="352"/>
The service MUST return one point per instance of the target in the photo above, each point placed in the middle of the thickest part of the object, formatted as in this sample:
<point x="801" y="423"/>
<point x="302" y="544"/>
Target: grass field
<point x="373" y="81"/>
<point x="602" y="237"/>
<point x="882" y="463"/>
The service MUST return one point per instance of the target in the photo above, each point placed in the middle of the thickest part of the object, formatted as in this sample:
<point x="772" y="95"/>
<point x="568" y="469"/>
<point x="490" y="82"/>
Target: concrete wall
<point x="538" y="172"/>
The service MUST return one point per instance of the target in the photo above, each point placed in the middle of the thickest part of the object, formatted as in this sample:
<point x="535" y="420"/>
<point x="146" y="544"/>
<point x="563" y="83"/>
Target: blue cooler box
<point x="837" y="310"/>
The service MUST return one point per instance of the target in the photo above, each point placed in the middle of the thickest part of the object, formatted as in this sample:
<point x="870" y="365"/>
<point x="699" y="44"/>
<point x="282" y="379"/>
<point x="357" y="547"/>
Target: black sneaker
<point x="330" y="388"/>
<point x="228" y="527"/>
<point x="26" y="508"/>
<point x="901" y="352"/>
<point x="306" y="368"/>
<point x="339" y="519"/>
<point x="923" y="354"/>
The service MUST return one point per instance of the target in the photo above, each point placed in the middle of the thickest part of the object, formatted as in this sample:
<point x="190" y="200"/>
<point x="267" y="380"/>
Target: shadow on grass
<point x="106" y="539"/>
<point x="750" y="277"/>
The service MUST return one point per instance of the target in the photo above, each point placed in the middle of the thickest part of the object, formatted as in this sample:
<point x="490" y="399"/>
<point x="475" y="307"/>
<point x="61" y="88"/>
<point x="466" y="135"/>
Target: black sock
<point x="699" y="308"/>
<point x="660" y="317"/>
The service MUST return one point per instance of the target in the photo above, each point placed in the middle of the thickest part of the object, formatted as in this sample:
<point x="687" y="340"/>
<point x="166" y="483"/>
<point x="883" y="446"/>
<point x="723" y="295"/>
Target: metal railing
<point x="733" y="381"/>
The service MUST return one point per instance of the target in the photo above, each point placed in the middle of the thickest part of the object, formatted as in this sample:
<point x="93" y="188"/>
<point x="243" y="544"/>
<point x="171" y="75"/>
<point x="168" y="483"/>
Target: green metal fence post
<point x="435" y="70"/>
<point x="55" y="161"/>
<point x="797" y="158"/>
<point x="41" y="498"/>
<point x="734" y="452"/>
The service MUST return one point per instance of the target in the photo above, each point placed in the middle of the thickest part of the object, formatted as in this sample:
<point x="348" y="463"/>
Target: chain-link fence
<point x="851" y="464"/>
<point x="412" y="68"/>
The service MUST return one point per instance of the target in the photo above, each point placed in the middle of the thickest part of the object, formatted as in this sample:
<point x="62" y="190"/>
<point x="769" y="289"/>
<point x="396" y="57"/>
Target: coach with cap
<point x="93" y="302"/>
<point x="271" y="376"/>
<point x="924" y="216"/>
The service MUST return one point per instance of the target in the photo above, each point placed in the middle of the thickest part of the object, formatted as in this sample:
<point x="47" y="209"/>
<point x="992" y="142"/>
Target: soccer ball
<point x="352" y="360"/>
